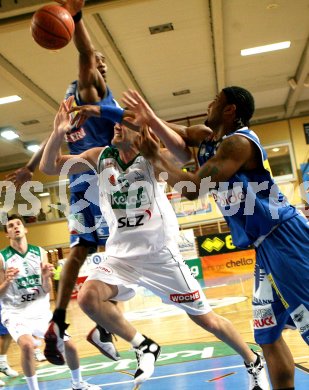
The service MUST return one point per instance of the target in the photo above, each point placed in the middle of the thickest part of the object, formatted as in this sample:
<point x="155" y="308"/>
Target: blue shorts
<point x="281" y="291"/>
<point x="3" y="329"/>
<point x="86" y="224"/>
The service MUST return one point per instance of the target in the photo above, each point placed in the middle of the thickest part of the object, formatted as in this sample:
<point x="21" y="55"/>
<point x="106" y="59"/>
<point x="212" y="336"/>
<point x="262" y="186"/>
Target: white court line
<point x="179" y="374"/>
<point x="168" y="376"/>
<point x="301" y="357"/>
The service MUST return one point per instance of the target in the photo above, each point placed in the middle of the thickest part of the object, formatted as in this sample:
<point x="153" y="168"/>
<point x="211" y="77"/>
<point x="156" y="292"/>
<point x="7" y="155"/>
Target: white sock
<point x="137" y="340"/>
<point x="36" y="342"/>
<point x="3" y="360"/>
<point x="32" y="382"/>
<point x="76" y="376"/>
<point x="254" y="360"/>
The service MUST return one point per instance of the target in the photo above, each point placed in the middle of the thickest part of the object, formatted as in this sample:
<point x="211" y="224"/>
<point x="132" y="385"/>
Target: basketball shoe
<point x="8" y="371"/>
<point x="54" y="344"/>
<point x="102" y="339"/>
<point x="38" y="355"/>
<point x="84" y="386"/>
<point x="257" y="375"/>
<point x="147" y="354"/>
<point x="2" y="383"/>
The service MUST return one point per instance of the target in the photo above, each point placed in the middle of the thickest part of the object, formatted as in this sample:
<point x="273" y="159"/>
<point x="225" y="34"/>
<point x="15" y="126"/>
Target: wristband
<point x="77" y="17"/>
<point x="114" y="114"/>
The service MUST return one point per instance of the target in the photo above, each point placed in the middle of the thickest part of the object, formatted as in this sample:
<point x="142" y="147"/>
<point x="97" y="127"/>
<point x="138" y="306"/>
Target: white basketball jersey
<point x="140" y="218"/>
<point x="25" y="293"/>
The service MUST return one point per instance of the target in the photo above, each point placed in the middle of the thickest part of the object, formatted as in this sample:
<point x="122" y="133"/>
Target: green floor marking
<point x="99" y="364"/>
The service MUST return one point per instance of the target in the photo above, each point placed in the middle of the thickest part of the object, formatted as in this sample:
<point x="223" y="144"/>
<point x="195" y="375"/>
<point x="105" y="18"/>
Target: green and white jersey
<point x="25" y="292"/>
<point x="140" y="218"/>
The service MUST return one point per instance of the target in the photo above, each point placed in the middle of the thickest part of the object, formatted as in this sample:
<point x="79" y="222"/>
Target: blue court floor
<point x="219" y="373"/>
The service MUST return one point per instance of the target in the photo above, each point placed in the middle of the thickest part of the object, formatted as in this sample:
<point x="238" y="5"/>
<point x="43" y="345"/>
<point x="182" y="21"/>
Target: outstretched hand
<point x="73" y="6"/>
<point x="134" y="102"/>
<point x="81" y="113"/>
<point x="62" y="119"/>
<point x="19" y="177"/>
<point x="148" y="144"/>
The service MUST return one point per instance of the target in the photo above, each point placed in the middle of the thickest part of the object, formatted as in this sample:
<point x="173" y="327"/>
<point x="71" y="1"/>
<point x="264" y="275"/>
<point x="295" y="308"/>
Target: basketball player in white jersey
<point x="25" y="282"/>
<point x="142" y="247"/>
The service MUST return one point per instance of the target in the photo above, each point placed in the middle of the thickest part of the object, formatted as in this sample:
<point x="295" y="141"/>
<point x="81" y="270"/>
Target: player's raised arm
<point x="52" y="160"/>
<point x="174" y="137"/>
<point x="24" y="174"/>
<point x="232" y="154"/>
<point x="91" y="83"/>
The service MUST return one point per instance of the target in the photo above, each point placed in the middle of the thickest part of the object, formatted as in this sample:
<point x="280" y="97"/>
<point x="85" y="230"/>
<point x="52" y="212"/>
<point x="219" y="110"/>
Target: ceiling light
<point x="275" y="150"/>
<point x="33" y="148"/>
<point x="9" y="134"/>
<point x="9" y="99"/>
<point x="266" y="48"/>
<point x="182" y="92"/>
<point x="30" y="122"/>
<point x="42" y="194"/>
<point x="272" y="6"/>
<point x="161" y="28"/>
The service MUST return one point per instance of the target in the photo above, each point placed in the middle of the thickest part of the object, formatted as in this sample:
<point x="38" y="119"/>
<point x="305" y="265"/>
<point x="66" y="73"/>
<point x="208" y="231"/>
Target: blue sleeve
<point x="114" y="114"/>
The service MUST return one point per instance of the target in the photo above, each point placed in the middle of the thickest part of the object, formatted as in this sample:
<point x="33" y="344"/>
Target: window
<point x="281" y="161"/>
<point x="35" y="202"/>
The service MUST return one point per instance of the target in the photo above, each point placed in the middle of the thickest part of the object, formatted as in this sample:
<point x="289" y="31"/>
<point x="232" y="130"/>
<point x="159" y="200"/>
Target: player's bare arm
<point x="91" y="84"/>
<point x="233" y="154"/>
<point x="144" y="115"/>
<point x="24" y="174"/>
<point x="192" y="135"/>
<point x="47" y="272"/>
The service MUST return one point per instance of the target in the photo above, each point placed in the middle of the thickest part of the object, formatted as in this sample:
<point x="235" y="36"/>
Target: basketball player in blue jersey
<point x="96" y="131"/>
<point x="234" y="168"/>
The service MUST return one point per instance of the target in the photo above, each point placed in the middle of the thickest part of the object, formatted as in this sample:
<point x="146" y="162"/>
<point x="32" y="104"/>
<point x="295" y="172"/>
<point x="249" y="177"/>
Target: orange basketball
<point x="52" y="27"/>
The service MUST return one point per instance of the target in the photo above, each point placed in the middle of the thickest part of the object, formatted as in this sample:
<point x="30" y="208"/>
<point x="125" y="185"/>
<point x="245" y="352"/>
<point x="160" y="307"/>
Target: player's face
<point x="123" y="136"/>
<point x="119" y="134"/>
<point x="101" y="65"/>
<point x="15" y="229"/>
<point x="215" y="111"/>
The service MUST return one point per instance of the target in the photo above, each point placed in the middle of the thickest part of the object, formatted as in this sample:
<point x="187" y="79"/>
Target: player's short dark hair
<point x="243" y="101"/>
<point x="14" y="216"/>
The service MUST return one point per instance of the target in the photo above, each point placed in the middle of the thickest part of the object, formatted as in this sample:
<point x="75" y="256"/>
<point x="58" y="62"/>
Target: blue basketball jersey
<point x="94" y="132"/>
<point x="250" y="201"/>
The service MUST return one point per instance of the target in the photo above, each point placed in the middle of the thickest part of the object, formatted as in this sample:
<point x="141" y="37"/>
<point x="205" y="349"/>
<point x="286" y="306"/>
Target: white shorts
<point x="164" y="273"/>
<point x="19" y="325"/>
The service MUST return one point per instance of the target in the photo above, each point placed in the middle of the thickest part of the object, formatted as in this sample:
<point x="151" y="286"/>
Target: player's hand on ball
<point x="73" y="6"/>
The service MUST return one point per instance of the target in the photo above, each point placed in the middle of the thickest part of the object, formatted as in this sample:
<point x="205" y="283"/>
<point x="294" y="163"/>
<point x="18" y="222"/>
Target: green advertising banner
<point x="195" y="266"/>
